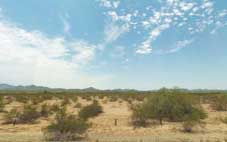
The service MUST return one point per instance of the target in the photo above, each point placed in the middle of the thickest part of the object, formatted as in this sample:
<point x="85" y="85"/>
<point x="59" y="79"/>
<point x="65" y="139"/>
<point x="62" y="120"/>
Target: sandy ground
<point x="104" y="130"/>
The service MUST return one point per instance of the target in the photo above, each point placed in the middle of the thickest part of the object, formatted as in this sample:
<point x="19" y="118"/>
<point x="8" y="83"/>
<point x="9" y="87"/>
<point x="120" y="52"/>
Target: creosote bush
<point x="45" y="110"/>
<point x="170" y="107"/>
<point x="224" y="120"/>
<point x="90" y="111"/>
<point x="78" y="105"/>
<point x="2" y="105"/>
<point x="65" y="128"/>
<point x="28" y="115"/>
<point x="219" y="103"/>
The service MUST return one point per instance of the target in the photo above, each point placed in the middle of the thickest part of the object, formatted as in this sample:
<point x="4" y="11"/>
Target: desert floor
<point x="104" y="130"/>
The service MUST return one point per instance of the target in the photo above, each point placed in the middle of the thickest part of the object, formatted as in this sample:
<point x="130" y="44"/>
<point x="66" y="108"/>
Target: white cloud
<point x="32" y="57"/>
<point x="145" y="48"/>
<point x="110" y="3"/>
<point x="180" y="45"/>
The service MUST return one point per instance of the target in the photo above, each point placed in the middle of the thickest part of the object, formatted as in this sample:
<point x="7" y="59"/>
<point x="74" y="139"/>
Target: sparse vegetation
<point x="170" y="108"/>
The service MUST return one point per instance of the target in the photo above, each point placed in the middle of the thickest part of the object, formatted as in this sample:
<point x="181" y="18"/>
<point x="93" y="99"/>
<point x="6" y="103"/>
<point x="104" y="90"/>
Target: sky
<point x="107" y="44"/>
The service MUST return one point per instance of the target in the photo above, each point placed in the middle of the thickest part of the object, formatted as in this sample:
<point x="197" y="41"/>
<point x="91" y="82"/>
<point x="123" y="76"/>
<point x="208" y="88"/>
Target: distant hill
<point x="34" y="88"/>
<point x="23" y="88"/>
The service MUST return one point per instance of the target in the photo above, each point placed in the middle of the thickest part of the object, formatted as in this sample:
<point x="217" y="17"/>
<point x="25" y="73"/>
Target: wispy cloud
<point x="113" y="32"/>
<point x="179" y="45"/>
<point x="66" y="23"/>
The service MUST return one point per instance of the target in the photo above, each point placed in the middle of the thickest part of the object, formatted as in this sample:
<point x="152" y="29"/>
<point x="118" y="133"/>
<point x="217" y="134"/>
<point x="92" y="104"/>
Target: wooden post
<point x="115" y="122"/>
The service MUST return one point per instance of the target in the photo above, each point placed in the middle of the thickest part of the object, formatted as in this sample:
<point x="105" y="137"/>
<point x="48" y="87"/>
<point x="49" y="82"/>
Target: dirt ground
<point x="104" y="129"/>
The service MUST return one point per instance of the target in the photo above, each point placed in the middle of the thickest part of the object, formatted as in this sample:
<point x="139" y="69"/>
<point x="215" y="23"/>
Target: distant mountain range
<point x="34" y="88"/>
<point x="25" y="88"/>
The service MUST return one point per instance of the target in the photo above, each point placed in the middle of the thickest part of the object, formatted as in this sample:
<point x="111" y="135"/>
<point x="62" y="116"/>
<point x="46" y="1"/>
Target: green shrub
<point x="219" y="103"/>
<point x="65" y="128"/>
<point x="29" y="114"/>
<point x="224" y="120"/>
<point x="140" y="116"/>
<point x="65" y="101"/>
<point x="45" y="110"/>
<point x="54" y="108"/>
<point x="170" y="107"/>
<point x="2" y="105"/>
<point x="90" y="111"/>
<point x="11" y="116"/>
<point x="78" y="105"/>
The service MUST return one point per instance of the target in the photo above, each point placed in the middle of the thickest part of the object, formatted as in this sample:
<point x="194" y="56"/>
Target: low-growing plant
<point x="65" y="101"/>
<point x="65" y="127"/>
<point x="45" y="110"/>
<point x="219" y="103"/>
<point x="11" y="116"/>
<point x="78" y="105"/>
<point x="224" y="120"/>
<point x="2" y="105"/>
<point x="29" y="114"/>
<point x="90" y="111"/>
<point x="54" y="108"/>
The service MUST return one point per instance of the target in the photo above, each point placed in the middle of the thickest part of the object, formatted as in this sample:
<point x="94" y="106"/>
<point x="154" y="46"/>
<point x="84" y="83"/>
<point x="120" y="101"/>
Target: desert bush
<point x="168" y="106"/>
<point x="90" y="111"/>
<point x="29" y="114"/>
<point x="2" y="105"/>
<point x="11" y="116"/>
<point x="224" y="120"/>
<point x="113" y="98"/>
<point x="65" y="101"/>
<point x="78" y="105"/>
<point x="140" y="117"/>
<point x="75" y="99"/>
<point x="22" y="99"/>
<point x="193" y="119"/>
<point x="219" y="103"/>
<point x="65" y="128"/>
<point x="45" y="110"/>
<point x="54" y="108"/>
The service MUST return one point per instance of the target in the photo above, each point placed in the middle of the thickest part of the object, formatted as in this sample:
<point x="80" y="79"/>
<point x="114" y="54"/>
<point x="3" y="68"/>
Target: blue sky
<point x="140" y="44"/>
